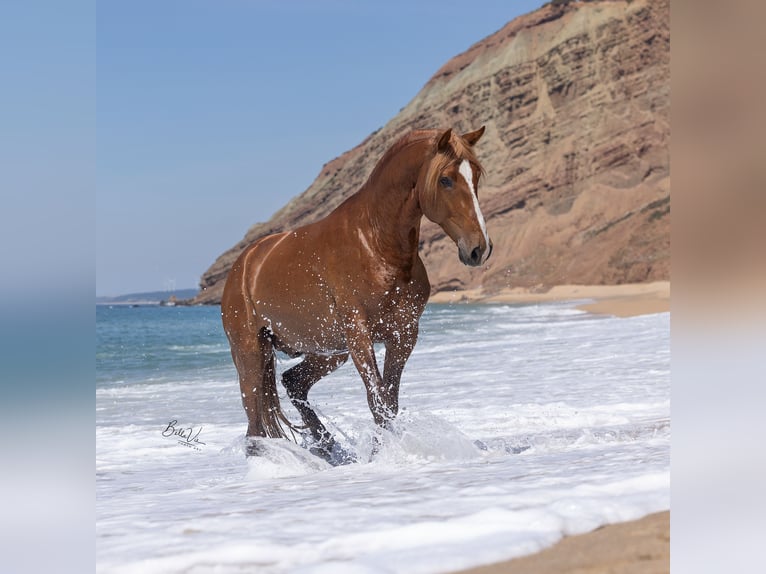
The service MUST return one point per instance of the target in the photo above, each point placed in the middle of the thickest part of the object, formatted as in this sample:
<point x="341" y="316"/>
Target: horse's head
<point x="448" y="192"/>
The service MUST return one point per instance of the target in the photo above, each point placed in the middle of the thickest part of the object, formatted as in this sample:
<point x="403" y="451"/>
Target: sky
<point x="211" y="115"/>
<point x="47" y="148"/>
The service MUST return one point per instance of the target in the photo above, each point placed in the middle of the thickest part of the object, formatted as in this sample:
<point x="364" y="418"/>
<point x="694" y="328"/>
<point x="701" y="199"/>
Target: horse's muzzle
<point x="477" y="255"/>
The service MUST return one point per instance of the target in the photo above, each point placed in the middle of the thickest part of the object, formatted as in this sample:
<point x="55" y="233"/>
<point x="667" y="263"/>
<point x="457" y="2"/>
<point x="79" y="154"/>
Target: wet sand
<point x="619" y="300"/>
<point x="636" y="547"/>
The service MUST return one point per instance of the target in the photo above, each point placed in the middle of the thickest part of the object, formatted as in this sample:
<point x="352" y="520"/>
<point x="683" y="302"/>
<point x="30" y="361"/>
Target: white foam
<point x="280" y="459"/>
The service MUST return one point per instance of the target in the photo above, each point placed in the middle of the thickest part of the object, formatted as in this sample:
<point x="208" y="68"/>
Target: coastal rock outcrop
<point x="576" y="100"/>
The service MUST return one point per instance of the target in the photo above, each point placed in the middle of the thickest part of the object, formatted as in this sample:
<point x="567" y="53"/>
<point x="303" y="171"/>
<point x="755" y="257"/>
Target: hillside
<point x="576" y="101"/>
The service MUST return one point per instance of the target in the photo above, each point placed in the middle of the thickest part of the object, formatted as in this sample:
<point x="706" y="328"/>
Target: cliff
<point x="576" y="100"/>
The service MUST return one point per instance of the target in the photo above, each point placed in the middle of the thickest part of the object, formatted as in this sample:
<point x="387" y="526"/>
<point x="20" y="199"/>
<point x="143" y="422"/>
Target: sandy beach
<point x="618" y="300"/>
<point x="636" y="547"/>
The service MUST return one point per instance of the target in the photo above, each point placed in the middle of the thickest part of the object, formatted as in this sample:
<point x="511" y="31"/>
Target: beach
<point x="627" y="300"/>
<point x="636" y="547"/>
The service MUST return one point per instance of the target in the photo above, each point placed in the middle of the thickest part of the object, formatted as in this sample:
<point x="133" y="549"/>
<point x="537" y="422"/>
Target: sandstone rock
<point x="576" y="100"/>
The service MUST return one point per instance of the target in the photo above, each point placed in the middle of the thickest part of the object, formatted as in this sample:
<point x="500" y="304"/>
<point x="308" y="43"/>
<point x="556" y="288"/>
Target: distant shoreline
<point x="180" y="296"/>
<point x="135" y="304"/>
<point x="127" y="303"/>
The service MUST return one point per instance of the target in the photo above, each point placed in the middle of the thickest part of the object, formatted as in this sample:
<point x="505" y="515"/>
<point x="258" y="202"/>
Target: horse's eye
<point x="445" y="182"/>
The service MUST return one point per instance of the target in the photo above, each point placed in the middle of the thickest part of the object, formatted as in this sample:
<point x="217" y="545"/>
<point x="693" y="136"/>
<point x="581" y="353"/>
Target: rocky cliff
<point x="576" y="100"/>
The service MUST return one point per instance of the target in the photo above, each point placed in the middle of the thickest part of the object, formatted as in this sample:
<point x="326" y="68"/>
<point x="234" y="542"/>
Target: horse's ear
<point x="472" y="137"/>
<point x="443" y="144"/>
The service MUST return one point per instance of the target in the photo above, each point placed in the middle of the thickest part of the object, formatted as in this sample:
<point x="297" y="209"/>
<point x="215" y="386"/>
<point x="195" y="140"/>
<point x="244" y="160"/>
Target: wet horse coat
<point x="333" y="288"/>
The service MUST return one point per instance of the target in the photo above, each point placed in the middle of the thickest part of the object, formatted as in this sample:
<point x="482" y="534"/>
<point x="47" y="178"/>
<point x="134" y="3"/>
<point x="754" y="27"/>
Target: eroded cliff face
<point x="576" y="101"/>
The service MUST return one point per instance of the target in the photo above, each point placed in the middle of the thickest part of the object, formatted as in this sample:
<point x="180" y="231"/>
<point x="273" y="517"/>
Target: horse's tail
<point x="272" y="416"/>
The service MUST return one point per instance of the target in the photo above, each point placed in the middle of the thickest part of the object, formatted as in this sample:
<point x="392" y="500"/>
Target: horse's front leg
<point x="362" y="351"/>
<point x="398" y="349"/>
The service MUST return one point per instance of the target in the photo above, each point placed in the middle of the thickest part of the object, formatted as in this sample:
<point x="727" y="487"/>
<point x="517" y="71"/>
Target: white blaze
<point x="467" y="172"/>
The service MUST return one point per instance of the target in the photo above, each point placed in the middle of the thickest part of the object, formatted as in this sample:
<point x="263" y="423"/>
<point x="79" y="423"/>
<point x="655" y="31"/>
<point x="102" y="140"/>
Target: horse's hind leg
<point x="254" y="359"/>
<point x="299" y="379"/>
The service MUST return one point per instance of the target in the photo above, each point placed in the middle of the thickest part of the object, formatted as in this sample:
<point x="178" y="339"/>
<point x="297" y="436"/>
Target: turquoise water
<point x="151" y="344"/>
<point x="154" y="344"/>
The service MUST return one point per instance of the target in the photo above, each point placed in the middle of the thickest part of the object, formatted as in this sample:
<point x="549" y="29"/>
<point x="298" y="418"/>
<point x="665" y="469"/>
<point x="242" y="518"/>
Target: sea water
<point x="518" y="425"/>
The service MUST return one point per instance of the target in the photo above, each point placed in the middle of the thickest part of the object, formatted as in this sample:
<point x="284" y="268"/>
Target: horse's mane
<point x="457" y="151"/>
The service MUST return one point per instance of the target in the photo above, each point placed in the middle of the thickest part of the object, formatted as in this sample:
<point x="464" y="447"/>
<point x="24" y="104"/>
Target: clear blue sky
<point x="211" y="115"/>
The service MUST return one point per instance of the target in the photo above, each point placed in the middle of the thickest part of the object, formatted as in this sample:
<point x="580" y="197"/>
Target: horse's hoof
<point x="333" y="454"/>
<point x="377" y="444"/>
<point x="253" y="447"/>
<point x="340" y="456"/>
<point x="321" y="452"/>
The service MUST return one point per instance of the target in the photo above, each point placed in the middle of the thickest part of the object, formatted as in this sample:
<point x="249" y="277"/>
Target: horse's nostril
<point x="475" y="254"/>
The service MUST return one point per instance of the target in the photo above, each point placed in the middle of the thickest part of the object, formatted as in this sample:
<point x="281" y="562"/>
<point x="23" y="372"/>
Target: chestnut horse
<point x="336" y="287"/>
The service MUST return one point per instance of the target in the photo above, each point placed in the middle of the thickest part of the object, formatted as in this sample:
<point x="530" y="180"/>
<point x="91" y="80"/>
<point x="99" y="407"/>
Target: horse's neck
<point x="391" y="207"/>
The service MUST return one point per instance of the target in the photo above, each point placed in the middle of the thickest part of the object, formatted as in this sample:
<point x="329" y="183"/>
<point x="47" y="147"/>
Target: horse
<point x="333" y="288"/>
